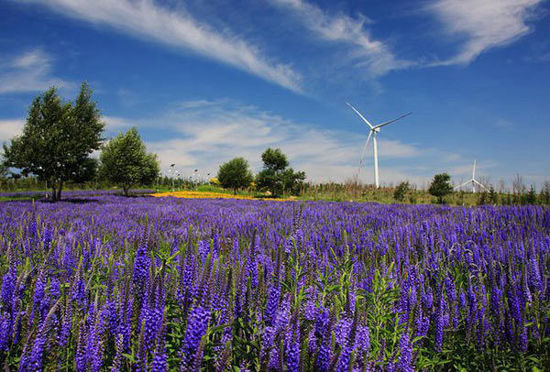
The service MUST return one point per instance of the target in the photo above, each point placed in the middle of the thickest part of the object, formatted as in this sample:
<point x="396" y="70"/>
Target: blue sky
<point x="205" y="81"/>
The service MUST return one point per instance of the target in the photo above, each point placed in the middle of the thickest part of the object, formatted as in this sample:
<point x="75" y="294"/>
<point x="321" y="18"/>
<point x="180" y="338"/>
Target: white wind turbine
<point x="374" y="130"/>
<point x="473" y="181"/>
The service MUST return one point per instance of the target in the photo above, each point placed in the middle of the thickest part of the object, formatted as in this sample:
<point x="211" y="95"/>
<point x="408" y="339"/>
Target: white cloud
<point x="483" y="24"/>
<point x="146" y="18"/>
<point x="115" y="123"/>
<point x="370" y="54"/>
<point x="28" y="72"/>
<point x="10" y="128"/>
<point x="203" y="134"/>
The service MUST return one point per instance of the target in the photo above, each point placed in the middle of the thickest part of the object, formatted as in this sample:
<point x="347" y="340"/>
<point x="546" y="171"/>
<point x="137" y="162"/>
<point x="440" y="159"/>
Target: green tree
<point x="530" y="197"/>
<point x="235" y="174"/>
<point x="276" y="176"/>
<point x="292" y="180"/>
<point x="441" y="186"/>
<point x="124" y="161"/>
<point x="483" y="198"/>
<point x="3" y="170"/>
<point x="493" y="196"/>
<point x="57" y="140"/>
<point x="401" y="191"/>
<point x="544" y="196"/>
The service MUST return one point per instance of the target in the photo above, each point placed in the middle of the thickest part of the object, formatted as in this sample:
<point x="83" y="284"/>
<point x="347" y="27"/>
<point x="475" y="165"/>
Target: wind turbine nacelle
<point x="376" y="130"/>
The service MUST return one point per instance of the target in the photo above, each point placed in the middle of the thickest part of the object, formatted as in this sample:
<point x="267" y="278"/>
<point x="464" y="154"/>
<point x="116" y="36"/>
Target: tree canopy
<point x="57" y="140"/>
<point x="276" y="176"/>
<point x="401" y="191"/>
<point x="235" y="174"/>
<point x="441" y="186"/>
<point x="124" y="161"/>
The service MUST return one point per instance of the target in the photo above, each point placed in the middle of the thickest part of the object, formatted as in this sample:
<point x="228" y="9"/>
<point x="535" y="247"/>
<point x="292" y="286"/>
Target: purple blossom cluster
<point x="161" y="284"/>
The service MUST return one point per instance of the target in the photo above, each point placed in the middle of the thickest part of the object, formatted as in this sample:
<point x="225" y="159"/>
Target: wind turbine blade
<point x="361" y="116"/>
<point x="391" y="121"/>
<point x="463" y="184"/>
<point x="362" y="158"/>
<point x="480" y="184"/>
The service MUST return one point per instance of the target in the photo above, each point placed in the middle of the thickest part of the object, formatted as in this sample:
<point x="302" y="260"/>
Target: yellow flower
<point x="206" y="195"/>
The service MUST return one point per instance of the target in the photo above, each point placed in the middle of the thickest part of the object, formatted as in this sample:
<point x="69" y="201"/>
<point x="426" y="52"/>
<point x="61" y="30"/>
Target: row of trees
<point x="59" y="137"/>
<point x="276" y="175"/>
<point x="441" y="186"/>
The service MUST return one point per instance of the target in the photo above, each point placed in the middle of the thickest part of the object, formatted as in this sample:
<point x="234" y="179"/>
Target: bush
<point x="401" y="191"/>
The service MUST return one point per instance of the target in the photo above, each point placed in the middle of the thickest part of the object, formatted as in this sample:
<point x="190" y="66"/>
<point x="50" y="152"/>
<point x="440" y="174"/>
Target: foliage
<point x="530" y="197"/>
<point x="276" y="176"/>
<point x="544" y="196"/>
<point x="401" y="191"/>
<point x="3" y="169"/>
<point x="483" y="198"/>
<point x="441" y="186"/>
<point x="493" y="196"/>
<point x="235" y="174"/>
<point x="274" y="159"/>
<point x="57" y="140"/>
<point x="124" y="161"/>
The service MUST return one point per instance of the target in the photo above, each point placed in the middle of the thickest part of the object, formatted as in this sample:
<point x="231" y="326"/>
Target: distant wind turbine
<point x="473" y="181"/>
<point x="374" y="130"/>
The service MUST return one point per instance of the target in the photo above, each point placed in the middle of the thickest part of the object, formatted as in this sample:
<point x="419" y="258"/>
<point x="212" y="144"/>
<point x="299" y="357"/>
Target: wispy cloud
<point x="370" y="54"/>
<point x="10" y="128"/>
<point x="482" y="24"/>
<point x="148" y="19"/>
<point x="28" y="72"/>
<point x="502" y="123"/>
<point x="115" y="123"/>
<point x="205" y="133"/>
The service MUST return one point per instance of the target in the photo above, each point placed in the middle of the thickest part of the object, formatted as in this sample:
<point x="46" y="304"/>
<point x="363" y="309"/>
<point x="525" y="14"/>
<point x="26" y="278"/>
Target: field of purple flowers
<point x="177" y="284"/>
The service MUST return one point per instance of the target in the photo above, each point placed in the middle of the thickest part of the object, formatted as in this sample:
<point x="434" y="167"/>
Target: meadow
<point x="113" y="283"/>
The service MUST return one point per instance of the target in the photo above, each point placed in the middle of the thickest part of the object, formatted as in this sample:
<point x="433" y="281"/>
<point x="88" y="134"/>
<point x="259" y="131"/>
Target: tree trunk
<point x="59" y="190"/>
<point x="126" y="190"/>
<point x="53" y="197"/>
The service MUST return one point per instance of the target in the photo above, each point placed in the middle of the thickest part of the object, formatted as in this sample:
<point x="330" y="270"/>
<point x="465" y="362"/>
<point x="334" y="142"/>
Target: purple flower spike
<point x="196" y="328"/>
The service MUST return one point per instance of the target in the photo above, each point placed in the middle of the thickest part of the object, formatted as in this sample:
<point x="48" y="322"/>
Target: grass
<point x="327" y="192"/>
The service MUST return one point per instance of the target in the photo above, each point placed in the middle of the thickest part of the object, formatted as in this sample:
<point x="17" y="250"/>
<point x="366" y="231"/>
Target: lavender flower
<point x="292" y="349"/>
<point x="323" y="359"/>
<point x="405" y="354"/>
<point x="8" y="286"/>
<point x="344" y="360"/>
<point x="272" y="303"/>
<point x="196" y="328"/>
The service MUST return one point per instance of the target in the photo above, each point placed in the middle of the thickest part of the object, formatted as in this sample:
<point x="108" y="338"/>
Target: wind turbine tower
<point x="374" y="130"/>
<point x="472" y="181"/>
